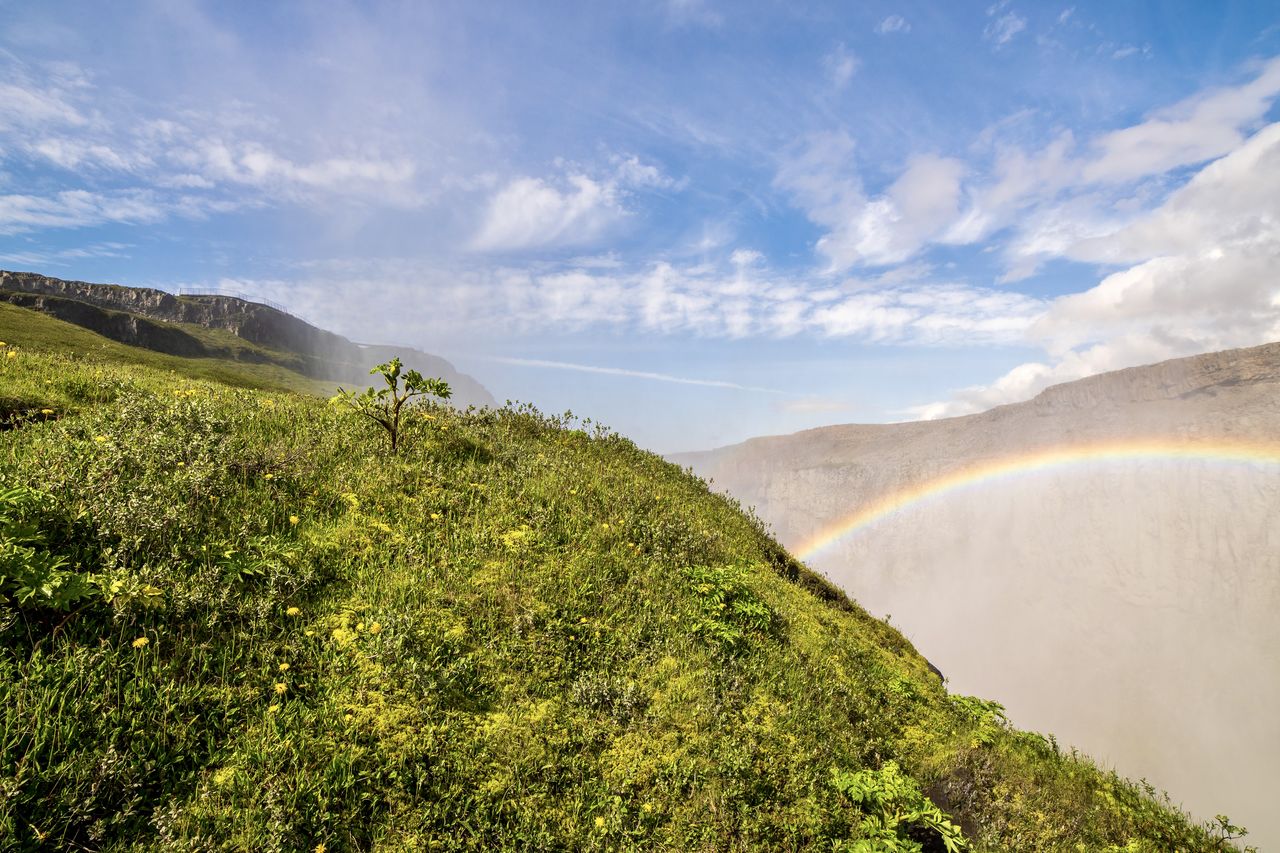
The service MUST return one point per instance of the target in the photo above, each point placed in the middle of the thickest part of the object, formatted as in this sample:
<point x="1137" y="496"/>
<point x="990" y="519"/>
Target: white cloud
<point x="73" y="154"/>
<point x="575" y="209"/>
<point x="1001" y="30"/>
<point x="893" y="24"/>
<point x="729" y="299"/>
<point x="840" y="66"/>
<point x="1192" y="131"/>
<point x="25" y="105"/>
<point x="39" y="258"/>
<point x="1204" y="275"/>
<point x="887" y="229"/>
<point x="76" y="209"/>
<point x="1052" y="200"/>
<point x="529" y="212"/>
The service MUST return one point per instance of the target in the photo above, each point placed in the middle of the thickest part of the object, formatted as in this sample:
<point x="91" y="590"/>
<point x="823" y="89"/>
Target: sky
<point x="694" y="221"/>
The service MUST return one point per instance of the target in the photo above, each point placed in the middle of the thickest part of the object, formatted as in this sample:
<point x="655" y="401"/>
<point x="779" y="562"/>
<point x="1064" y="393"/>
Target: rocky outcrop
<point x="141" y="316"/>
<point x="1128" y="606"/>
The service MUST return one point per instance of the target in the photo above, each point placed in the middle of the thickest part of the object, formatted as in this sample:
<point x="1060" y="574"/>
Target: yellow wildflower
<point x="319" y="848"/>
<point x="310" y="633"/>
<point x="271" y="709"/>
<point x="11" y="354"/>
<point x="268" y="476"/>
<point x="293" y="519"/>
<point x="281" y="687"/>
<point x="435" y="516"/>
<point x="46" y="411"/>
<point x="284" y="667"/>
<point x="140" y="643"/>
<point x="648" y="807"/>
<point x="375" y="628"/>
<point x="347" y="717"/>
<point x="599" y="823"/>
<point x="359" y="626"/>
<point x="293" y="611"/>
<point x="3" y="344"/>
<point x="99" y="438"/>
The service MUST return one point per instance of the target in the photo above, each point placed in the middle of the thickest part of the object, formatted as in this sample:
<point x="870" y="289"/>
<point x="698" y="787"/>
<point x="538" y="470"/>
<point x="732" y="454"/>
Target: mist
<point x="1126" y="606"/>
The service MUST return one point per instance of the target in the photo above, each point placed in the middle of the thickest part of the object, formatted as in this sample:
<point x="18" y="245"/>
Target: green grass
<point x="38" y="333"/>
<point x="520" y="634"/>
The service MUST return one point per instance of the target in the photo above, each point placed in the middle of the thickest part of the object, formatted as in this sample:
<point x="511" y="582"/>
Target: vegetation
<point x="230" y="620"/>
<point x="384" y="406"/>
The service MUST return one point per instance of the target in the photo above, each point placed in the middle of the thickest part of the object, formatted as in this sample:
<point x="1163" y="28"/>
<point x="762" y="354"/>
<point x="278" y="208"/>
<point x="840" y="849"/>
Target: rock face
<point x="143" y="317"/>
<point x="1127" y="605"/>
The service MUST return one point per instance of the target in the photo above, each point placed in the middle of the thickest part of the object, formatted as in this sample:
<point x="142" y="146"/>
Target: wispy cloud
<point x="573" y="209"/>
<point x="893" y="24"/>
<point x="840" y="66"/>
<point x="633" y="374"/>
<point x="1004" y="25"/>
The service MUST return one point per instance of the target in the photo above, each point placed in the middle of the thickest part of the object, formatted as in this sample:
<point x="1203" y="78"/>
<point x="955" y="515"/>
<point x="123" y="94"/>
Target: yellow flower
<point x="293" y="611"/>
<point x="599" y="823"/>
<point x="293" y="519"/>
<point x="375" y="628"/>
<point x="46" y="411"/>
<point x="347" y="717"/>
<point x="310" y="633"/>
<point x="435" y="516"/>
<point x="281" y="687"/>
<point x="141" y="642"/>
<point x="11" y="354"/>
<point x="284" y="667"/>
<point x="3" y="344"/>
<point x="271" y="709"/>
<point x="268" y="476"/>
<point x="648" y="807"/>
<point x="99" y="438"/>
<point x="319" y="848"/>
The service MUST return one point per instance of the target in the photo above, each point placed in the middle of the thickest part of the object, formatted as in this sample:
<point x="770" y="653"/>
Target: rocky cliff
<point x="152" y="318"/>
<point x="1126" y="604"/>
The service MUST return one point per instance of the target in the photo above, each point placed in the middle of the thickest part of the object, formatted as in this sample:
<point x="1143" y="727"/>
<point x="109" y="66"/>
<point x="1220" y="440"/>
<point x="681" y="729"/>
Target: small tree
<point x="383" y="405"/>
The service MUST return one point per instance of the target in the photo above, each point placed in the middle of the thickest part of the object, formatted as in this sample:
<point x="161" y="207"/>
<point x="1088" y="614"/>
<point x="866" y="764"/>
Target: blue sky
<point x="693" y="220"/>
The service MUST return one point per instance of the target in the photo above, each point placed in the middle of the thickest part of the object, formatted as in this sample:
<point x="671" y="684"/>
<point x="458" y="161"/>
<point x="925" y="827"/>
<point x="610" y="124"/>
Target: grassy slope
<point x="500" y="640"/>
<point x="38" y="332"/>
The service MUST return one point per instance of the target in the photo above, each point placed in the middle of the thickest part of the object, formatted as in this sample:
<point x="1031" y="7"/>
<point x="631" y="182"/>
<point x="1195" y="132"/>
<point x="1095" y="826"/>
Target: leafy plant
<point x="383" y="406"/>
<point x="730" y="610"/>
<point x="30" y="575"/>
<point x="988" y="718"/>
<point x="895" y="813"/>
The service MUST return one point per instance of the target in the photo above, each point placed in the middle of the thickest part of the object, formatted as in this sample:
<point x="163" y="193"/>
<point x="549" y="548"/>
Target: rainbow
<point x="1265" y="453"/>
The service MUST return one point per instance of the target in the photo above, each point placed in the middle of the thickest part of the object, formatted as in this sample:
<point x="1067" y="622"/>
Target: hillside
<point x="220" y="327"/>
<point x="231" y="620"/>
<point x="1123" y="600"/>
